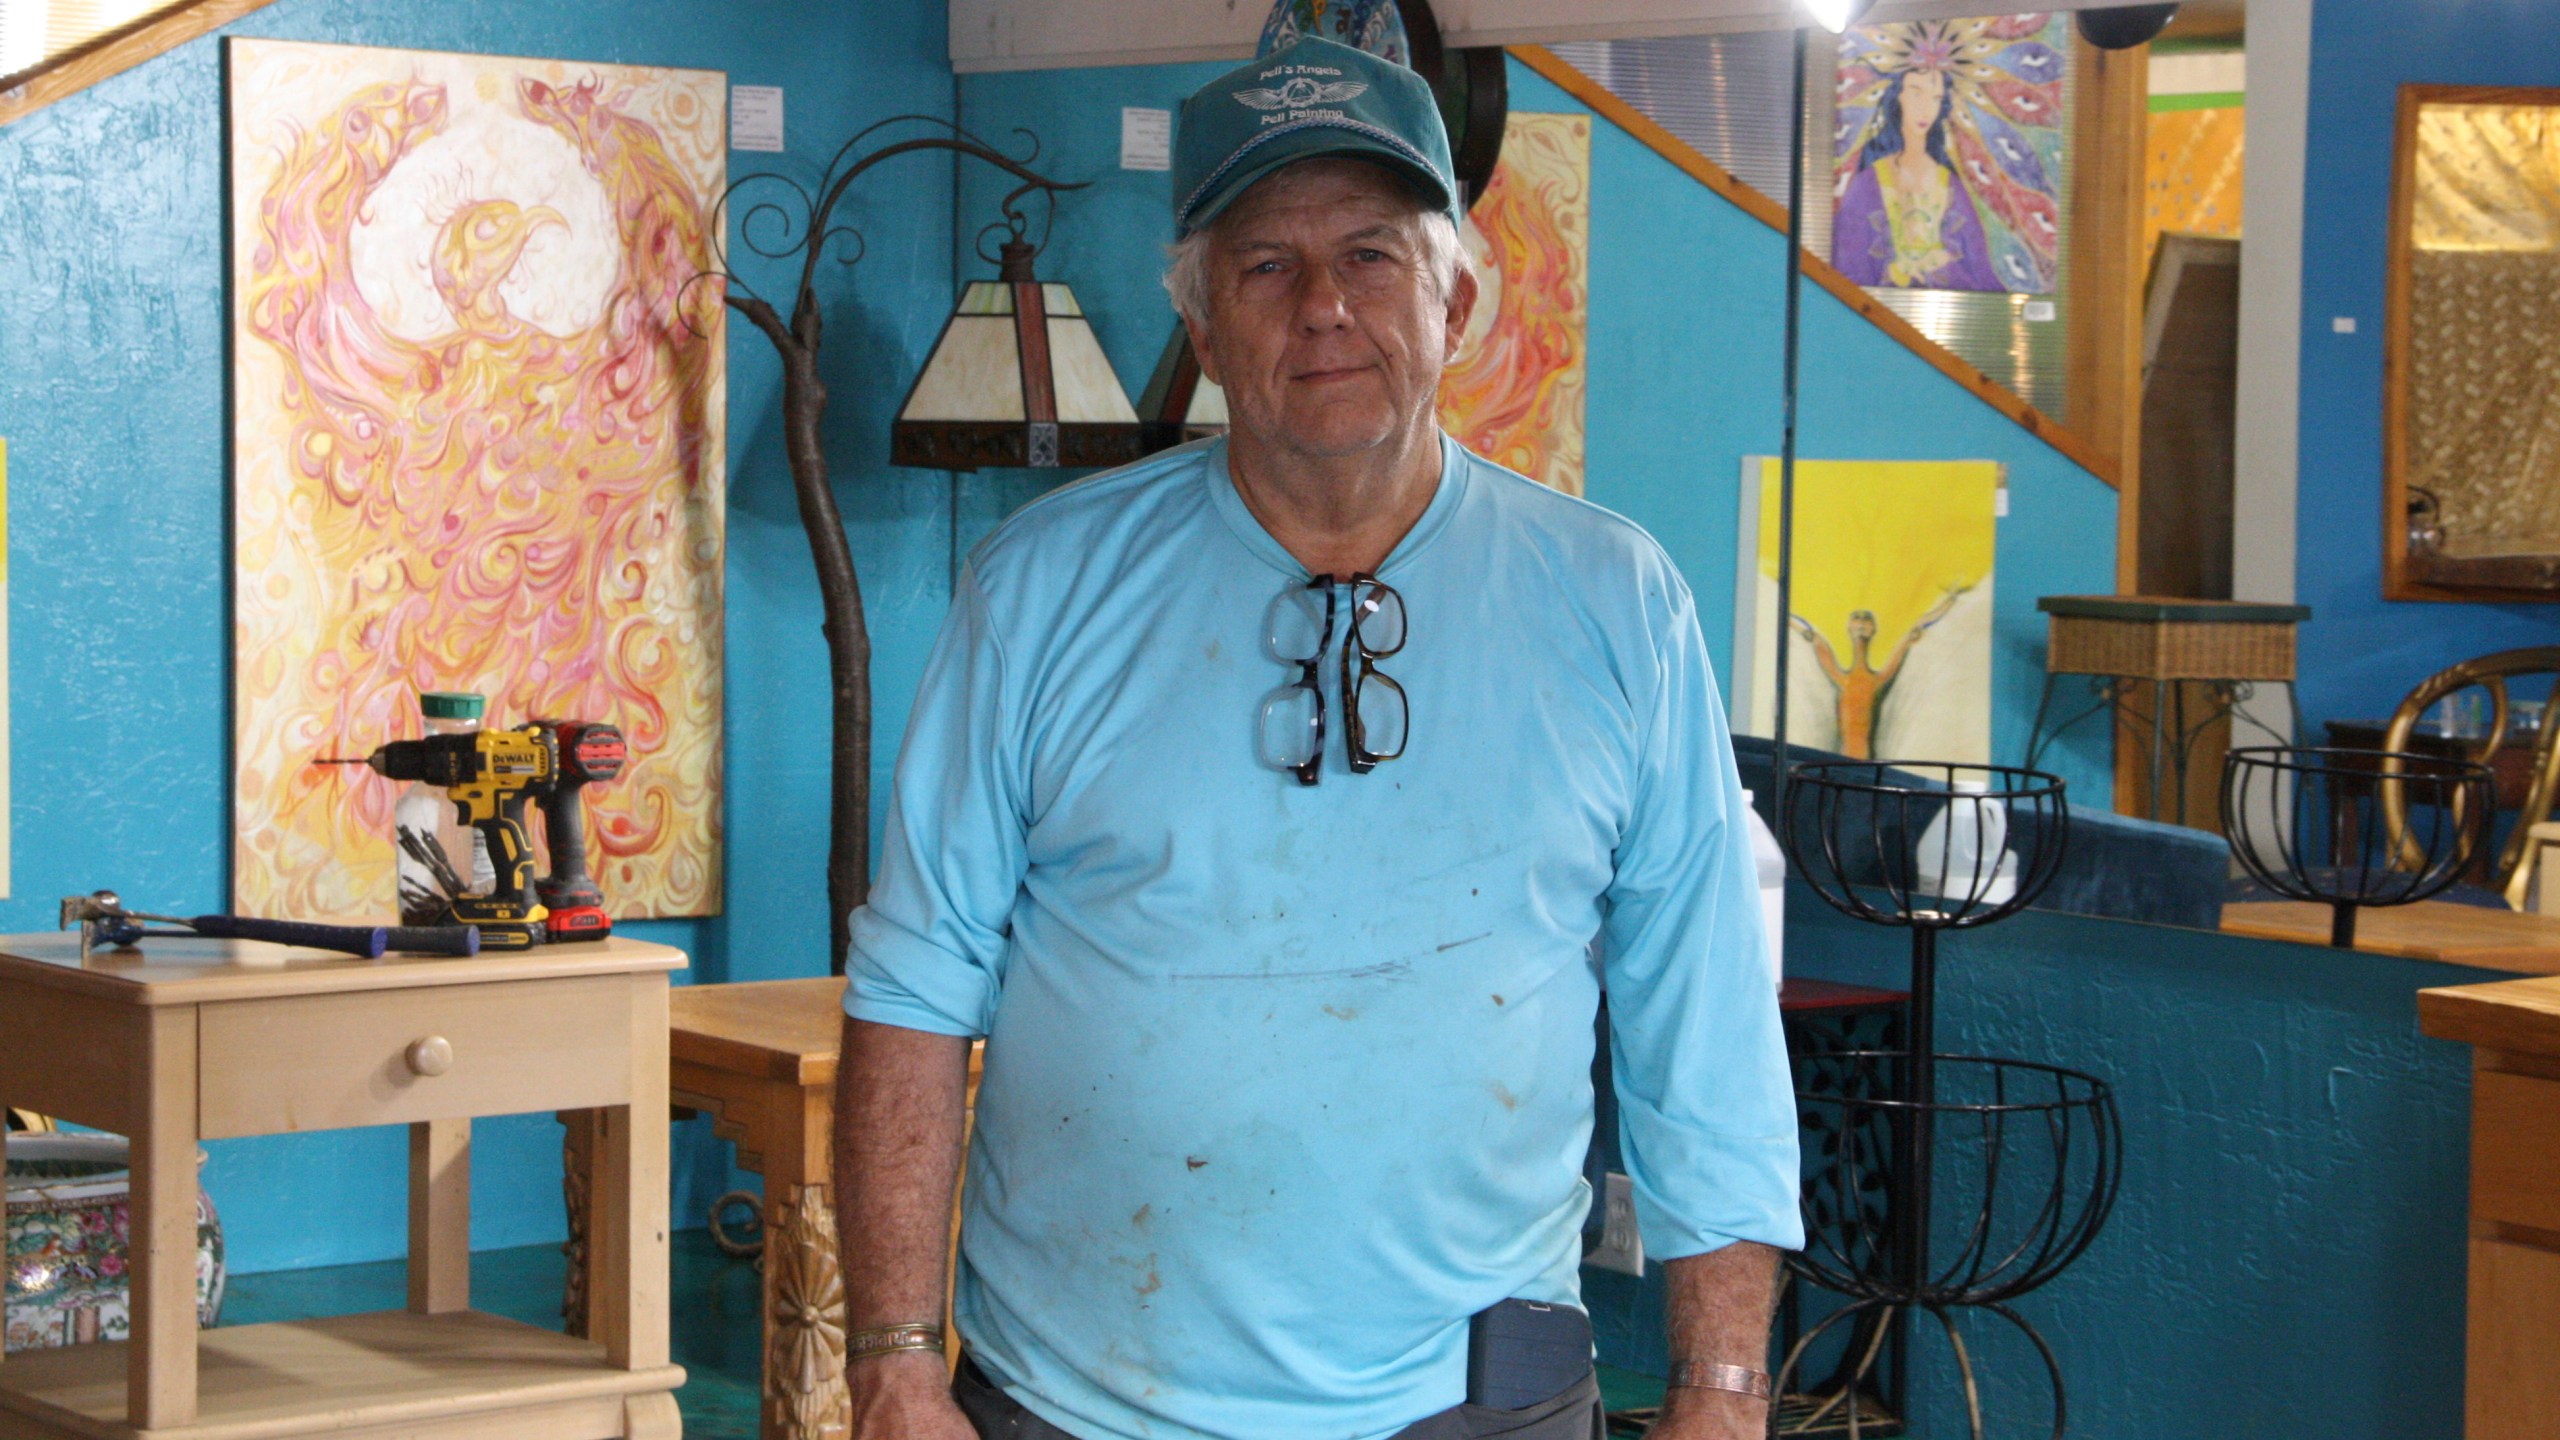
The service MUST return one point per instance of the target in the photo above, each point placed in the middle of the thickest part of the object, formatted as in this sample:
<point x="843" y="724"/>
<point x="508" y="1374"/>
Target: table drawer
<point x="329" y="1062"/>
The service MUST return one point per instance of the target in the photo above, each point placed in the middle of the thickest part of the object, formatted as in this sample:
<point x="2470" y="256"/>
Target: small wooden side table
<point x="191" y="1039"/>
<point x="2126" y="641"/>
<point x="2511" y="1386"/>
<point x="759" y="1057"/>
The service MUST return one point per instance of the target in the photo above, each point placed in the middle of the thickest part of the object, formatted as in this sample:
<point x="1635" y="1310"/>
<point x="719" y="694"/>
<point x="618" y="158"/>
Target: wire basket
<point x="1926" y="845"/>
<point x="2354" y="828"/>
<point x="2031" y="1153"/>
<point x="1886" y="841"/>
<point x="1931" y="846"/>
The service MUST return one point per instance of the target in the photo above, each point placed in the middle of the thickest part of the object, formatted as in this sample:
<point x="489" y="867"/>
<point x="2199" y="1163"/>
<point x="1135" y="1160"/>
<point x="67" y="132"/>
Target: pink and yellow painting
<point x="1514" y="391"/>
<point x="479" y="424"/>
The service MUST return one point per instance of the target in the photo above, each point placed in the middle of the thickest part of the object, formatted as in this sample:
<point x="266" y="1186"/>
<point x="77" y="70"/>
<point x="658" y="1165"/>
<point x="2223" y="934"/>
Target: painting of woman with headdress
<point x="1947" y="154"/>
<point x="1376" y="26"/>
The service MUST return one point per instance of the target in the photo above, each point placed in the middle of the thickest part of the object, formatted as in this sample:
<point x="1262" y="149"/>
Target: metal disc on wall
<point x="1473" y="85"/>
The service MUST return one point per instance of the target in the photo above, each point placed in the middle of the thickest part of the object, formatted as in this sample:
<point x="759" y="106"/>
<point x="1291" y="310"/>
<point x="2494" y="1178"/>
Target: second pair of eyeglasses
<point x="1298" y="630"/>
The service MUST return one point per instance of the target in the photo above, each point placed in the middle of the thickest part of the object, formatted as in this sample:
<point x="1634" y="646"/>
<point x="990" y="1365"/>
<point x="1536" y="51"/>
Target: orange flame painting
<point x="1514" y="391"/>
<point x="479" y="422"/>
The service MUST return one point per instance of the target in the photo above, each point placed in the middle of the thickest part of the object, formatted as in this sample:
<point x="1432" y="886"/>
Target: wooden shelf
<point x="463" y="1373"/>
<point x="2521" y="1016"/>
<point x="2475" y="935"/>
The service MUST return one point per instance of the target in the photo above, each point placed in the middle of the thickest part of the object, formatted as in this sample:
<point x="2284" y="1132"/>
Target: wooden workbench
<point x="2474" y="935"/>
<point x="2512" y="1381"/>
<point x="191" y="1039"/>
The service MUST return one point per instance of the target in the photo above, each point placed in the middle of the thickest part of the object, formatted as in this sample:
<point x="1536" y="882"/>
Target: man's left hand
<point x="1711" y="1415"/>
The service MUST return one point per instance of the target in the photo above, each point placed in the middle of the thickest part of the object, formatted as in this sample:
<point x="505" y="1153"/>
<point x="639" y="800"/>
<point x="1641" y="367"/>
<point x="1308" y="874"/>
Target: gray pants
<point x="1573" y="1415"/>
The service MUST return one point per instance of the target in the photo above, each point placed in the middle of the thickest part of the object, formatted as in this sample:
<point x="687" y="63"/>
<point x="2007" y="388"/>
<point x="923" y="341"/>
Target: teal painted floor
<point x="714" y="1327"/>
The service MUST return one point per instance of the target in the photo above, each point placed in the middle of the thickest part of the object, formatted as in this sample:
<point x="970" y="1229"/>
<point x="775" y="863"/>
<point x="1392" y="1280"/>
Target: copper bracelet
<point x="1738" y="1379"/>
<point x="889" y="1339"/>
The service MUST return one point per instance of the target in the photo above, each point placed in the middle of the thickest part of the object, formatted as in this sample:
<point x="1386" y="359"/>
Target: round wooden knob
<point x="431" y="1056"/>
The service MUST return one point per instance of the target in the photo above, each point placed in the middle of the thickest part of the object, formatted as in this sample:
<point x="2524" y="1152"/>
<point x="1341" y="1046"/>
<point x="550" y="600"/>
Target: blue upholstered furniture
<point x="2117" y="866"/>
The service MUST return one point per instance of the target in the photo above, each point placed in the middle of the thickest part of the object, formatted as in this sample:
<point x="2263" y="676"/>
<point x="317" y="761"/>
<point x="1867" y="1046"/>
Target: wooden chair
<point x="2513" y="874"/>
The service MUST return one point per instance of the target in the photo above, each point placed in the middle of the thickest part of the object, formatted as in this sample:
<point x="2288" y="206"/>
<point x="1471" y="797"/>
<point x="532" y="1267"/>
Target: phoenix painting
<point x="478" y="422"/>
<point x="1513" y="392"/>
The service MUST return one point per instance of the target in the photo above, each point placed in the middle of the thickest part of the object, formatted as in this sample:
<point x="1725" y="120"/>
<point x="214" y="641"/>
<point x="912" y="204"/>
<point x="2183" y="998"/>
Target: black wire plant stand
<point x="2351" y="829"/>
<point x="2028" y="1154"/>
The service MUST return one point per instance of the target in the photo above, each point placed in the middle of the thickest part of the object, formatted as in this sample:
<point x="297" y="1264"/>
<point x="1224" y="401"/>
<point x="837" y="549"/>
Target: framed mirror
<point x="2471" y="377"/>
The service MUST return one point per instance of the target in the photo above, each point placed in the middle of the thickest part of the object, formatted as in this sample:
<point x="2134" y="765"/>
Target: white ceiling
<point x="1051" y="34"/>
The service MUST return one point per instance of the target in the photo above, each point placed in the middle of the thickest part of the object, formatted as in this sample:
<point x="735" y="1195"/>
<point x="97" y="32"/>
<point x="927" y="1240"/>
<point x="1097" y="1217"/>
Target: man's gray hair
<point x="1186" y="272"/>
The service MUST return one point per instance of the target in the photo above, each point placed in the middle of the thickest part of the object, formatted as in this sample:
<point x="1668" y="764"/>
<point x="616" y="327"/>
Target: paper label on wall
<point x="755" y="117"/>
<point x="1146" y="138"/>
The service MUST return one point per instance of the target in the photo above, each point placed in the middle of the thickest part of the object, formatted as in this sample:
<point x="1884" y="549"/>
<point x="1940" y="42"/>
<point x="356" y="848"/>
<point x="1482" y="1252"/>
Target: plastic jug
<point x="1771" y="863"/>
<point x="1951" y="859"/>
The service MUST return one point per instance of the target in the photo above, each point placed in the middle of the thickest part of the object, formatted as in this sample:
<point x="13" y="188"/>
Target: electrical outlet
<point x="1621" y="1247"/>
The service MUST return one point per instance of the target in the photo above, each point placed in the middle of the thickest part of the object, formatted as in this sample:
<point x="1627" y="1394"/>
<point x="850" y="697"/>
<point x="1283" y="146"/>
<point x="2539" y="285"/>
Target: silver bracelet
<point x="1739" y="1379"/>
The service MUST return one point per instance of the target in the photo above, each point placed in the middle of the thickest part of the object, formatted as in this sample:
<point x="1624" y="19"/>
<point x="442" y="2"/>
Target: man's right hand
<point x="901" y="1109"/>
<point x="906" y="1396"/>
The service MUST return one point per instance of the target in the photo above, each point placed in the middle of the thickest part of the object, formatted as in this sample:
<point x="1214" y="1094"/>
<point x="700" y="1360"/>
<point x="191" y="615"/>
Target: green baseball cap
<point x="1307" y="99"/>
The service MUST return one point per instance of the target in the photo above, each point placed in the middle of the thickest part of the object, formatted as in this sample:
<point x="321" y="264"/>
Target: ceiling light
<point x="1836" y="15"/>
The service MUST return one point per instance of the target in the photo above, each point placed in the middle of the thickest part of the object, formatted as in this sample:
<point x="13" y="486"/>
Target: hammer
<point x="103" y="920"/>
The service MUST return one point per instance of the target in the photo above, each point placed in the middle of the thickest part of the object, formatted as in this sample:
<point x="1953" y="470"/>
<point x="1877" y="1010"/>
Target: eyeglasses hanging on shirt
<point x="1298" y="630"/>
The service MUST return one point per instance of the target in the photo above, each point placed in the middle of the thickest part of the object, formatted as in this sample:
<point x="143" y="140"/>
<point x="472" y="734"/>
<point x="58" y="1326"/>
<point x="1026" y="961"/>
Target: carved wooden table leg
<point x="804" y="1318"/>
<point x="759" y="1058"/>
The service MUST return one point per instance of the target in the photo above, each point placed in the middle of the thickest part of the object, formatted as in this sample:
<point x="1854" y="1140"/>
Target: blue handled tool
<point x="103" y="920"/>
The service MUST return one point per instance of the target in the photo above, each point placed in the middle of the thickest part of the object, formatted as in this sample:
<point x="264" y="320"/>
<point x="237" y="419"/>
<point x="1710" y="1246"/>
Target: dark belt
<point x="1574" y="1415"/>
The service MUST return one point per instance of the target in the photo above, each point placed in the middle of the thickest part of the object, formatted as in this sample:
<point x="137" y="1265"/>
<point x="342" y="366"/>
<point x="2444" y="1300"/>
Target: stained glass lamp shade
<point x="1181" y="404"/>
<point x="1016" y="379"/>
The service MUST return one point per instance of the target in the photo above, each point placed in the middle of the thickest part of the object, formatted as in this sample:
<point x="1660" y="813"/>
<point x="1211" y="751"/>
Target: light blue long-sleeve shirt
<point x="1284" y="1083"/>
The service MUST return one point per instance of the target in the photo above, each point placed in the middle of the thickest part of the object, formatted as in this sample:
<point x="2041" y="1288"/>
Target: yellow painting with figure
<point x="1889" y="642"/>
<point x="1513" y="392"/>
<point x="479" y="429"/>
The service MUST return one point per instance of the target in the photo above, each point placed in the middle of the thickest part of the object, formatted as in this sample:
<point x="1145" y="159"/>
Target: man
<point x="1260" y="806"/>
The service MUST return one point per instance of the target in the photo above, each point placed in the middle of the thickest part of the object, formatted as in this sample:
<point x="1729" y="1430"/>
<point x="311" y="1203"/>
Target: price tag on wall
<point x="755" y="117"/>
<point x="1146" y="138"/>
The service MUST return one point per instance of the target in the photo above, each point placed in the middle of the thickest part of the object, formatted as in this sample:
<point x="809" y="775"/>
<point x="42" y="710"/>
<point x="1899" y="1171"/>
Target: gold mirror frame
<point x="113" y="52"/>
<point x="2410" y="571"/>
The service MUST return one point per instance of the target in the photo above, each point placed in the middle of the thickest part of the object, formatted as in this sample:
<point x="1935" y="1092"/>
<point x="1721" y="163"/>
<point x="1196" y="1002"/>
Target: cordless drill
<point x="487" y="774"/>
<point x="587" y="751"/>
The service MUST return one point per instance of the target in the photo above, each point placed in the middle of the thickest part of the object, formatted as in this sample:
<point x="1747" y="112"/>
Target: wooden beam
<point x="2102" y="379"/>
<point x="2103" y="376"/>
<point x="117" y="51"/>
<point x="1688" y="161"/>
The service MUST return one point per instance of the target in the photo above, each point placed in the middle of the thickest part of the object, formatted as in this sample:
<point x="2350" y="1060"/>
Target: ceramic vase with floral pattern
<point x="69" y="1225"/>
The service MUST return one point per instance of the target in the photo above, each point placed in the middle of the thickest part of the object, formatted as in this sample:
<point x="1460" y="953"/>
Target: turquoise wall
<point x="2361" y="653"/>
<point x="112" y="398"/>
<point x="1684" y="333"/>
<point x="112" y="309"/>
